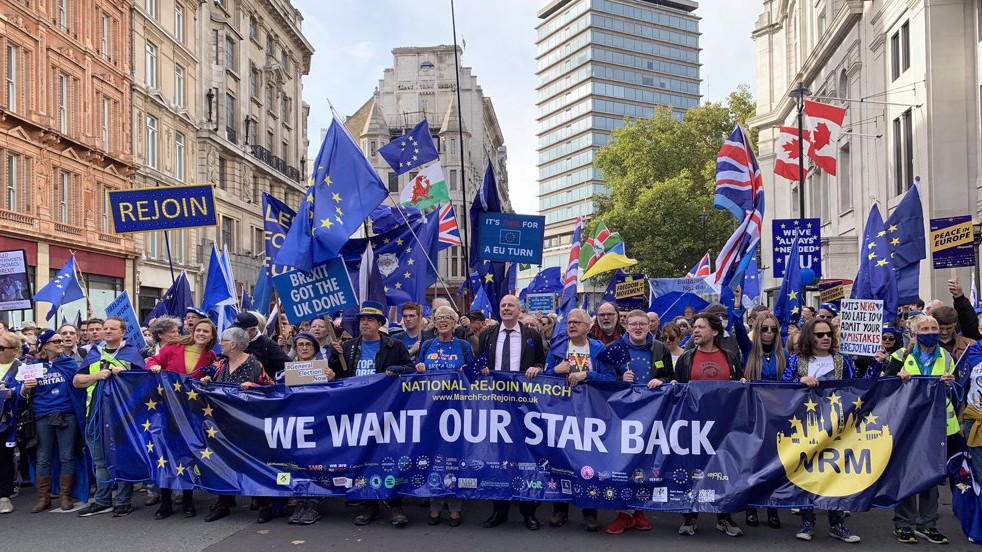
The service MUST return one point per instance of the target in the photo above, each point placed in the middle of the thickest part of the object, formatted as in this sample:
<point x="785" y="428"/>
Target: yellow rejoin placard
<point x="952" y="236"/>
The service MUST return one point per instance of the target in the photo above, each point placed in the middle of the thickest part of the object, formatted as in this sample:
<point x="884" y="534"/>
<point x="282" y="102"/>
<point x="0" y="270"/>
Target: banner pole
<point x="170" y="261"/>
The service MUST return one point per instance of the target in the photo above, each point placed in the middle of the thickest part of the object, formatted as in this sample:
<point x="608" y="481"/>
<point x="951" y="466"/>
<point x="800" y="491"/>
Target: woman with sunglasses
<point x="57" y="408"/>
<point x="765" y="361"/>
<point x="818" y="360"/>
<point x="672" y="335"/>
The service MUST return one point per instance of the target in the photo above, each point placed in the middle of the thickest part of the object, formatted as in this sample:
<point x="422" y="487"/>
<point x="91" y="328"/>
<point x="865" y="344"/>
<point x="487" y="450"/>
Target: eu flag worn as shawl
<point x="907" y="243"/>
<point x="64" y="288"/>
<point x="175" y="301"/>
<point x="344" y="191"/>
<point x="410" y="150"/>
<point x="875" y="279"/>
<point x="788" y="306"/>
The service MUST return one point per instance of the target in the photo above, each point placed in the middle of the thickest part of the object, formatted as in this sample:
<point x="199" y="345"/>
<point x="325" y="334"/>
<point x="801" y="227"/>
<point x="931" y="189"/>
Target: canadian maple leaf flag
<point x="787" y="154"/>
<point x="823" y="123"/>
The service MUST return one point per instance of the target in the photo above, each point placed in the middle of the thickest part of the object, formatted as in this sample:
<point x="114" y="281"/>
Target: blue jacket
<point x="599" y="371"/>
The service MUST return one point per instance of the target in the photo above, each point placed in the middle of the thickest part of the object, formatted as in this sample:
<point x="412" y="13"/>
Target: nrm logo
<point x="833" y="450"/>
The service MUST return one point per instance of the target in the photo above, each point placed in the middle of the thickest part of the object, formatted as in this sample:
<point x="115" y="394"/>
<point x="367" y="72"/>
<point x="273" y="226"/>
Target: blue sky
<point x="353" y="41"/>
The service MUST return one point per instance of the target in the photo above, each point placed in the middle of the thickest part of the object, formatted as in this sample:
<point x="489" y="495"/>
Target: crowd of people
<point x="52" y="411"/>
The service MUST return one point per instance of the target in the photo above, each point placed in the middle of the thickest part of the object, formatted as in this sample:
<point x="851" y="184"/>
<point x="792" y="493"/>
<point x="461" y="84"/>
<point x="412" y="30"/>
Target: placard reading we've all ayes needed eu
<point x="151" y="209"/>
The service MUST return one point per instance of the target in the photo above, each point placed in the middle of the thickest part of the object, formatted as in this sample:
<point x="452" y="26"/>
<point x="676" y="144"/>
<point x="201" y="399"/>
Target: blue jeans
<point x="103" y="483"/>
<point x="65" y="436"/>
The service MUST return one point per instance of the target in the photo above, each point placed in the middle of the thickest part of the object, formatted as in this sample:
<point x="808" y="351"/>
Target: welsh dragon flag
<point x="427" y="189"/>
<point x="603" y="251"/>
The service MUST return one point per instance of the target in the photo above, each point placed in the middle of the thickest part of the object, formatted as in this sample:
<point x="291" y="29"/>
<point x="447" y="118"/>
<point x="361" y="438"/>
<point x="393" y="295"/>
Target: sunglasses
<point x="823" y="334"/>
<point x="826" y="317"/>
<point x="768" y="329"/>
<point x="3" y="348"/>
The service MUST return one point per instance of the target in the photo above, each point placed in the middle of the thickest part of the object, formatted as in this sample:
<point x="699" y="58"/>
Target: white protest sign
<point x="30" y="371"/>
<point x="860" y="326"/>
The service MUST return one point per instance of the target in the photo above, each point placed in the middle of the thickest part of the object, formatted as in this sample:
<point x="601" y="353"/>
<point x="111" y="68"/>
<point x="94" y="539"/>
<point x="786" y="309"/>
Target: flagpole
<point x="799" y="94"/>
<point x="463" y="171"/>
<point x="170" y="261"/>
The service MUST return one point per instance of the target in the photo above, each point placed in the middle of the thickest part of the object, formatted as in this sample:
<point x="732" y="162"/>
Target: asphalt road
<point x="239" y="532"/>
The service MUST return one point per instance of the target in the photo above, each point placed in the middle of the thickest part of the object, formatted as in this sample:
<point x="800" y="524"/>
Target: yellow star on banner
<point x="895" y="241"/>
<point x="870" y="418"/>
<point x="385" y="289"/>
<point x="795" y="310"/>
<point x="326" y="223"/>
<point x="871" y="256"/>
<point x="339" y="211"/>
<point x="336" y="197"/>
<point x="488" y="277"/>
<point x="794" y="420"/>
<point x="338" y="218"/>
<point x="161" y="461"/>
<point x="192" y="395"/>
<point x="398" y="241"/>
<point x="180" y="469"/>
<point x="206" y="454"/>
<point x="871" y="245"/>
<point x="207" y="410"/>
<point x="160" y="389"/>
<point x="409" y="249"/>
<point x="327" y="180"/>
<point x="811" y="405"/>
<point x="146" y="425"/>
<point x="407" y="274"/>
<point x="387" y="240"/>
<point x="151" y="405"/>
<point x="177" y="387"/>
<point x="858" y="403"/>
<point x="212" y="432"/>
<point x="398" y="285"/>
<point x="881" y="262"/>
<point x="892" y="228"/>
<point x="149" y="447"/>
<point x="835" y="399"/>
<point x="881" y="233"/>
<point x="411" y="262"/>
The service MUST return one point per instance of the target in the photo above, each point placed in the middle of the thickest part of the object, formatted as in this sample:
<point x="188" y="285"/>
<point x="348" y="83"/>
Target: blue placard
<point x="507" y="237"/>
<point x="326" y="289"/>
<point x="123" y="308"/>
<point x="810" y="242"/>
<point x="151" y="209"/>
<point x="541" y="302"/>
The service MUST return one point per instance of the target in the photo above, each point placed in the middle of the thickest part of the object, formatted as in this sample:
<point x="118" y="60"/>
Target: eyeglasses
<point x="3" y="348"/>
<point x="823" y="334"/>
<point x="670" y="338"/>
<point x="826" y="316"/>
<point x="888" y="338"/>
<point x="575" y="323"/>
<point x="443" y="318"/>
<point x="768" y="329"/>
<point x="637" y="325"/>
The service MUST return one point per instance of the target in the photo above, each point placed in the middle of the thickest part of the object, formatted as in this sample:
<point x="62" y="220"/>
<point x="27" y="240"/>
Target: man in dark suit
<point x="513" y="348"/>
<point x="266" y="351"/>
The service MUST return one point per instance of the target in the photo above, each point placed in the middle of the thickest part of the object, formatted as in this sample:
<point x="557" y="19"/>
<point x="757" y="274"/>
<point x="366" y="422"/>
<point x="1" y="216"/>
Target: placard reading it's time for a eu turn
<point x="151" y="209"/>
<point x="326" y="289"/>
<point x="809" y="241"/>
<point x="507" y="237"/>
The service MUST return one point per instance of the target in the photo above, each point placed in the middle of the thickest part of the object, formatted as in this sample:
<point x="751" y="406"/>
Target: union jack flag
<point x="701" y="269"/>
<point x="739" y="190"/>
<point x="449" y="233"/>
<point x="572" y="272"/>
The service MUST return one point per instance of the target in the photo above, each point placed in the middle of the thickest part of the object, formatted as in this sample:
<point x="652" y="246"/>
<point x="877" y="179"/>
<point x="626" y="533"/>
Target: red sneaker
<point x="621" y="523"/>
<point x="641" y="522"/>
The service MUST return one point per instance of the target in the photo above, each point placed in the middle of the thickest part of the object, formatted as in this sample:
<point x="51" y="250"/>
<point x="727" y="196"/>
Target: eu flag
<point x="471" y="285"/>
<point x="548" y="280"/>
<point x="219" y="298"/>
<point x="386" y="218"/>
<point x="875" y="278"/>
<point x="751" y="284"/>
<point x="344" y="191"/>
<point x="789" y="300"/>
<point x="175" y="301"/>
<point x="481" y="303"/>
<point x="411" y="150"/>
<point x="907" y="243"/>
<point x="263" y="292"/>
<point x="64" y="288"/>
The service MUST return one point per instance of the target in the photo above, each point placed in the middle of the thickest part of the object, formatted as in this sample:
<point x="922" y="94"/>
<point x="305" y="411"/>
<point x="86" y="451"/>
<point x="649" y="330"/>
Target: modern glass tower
<point x="601" y="62"/>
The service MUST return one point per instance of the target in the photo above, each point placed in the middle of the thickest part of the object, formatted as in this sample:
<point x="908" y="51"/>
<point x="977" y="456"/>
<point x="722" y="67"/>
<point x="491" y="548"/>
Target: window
<point x="453" y="146"/>
<point x="228" y="233"/>
<point x="151" y="142"/>
<point x="285" y="59"/>
<point x="905" y="46"/>
<point x="179" y="85"/>
<point x="253" y="31"/>
<point x="895" y="56"/>
<point x="151" y="245"/>
<point x="222" y="173"/>
<point x="63" y="103"/>
<point x="393" y="183"/>
<point x="61" y="11"/>
<point x="258" y="240"/>
<point x="10" y="78"/>
<point x="62" y="191"/>
<point x="844" y="175"/>
<point x="179" y="22"/>
<point x="270" y="47"/>
<point x="453" y="180"/>
<point x="152" y="8"/>
<point x="269" y="97"/>
<point x="284" y="107"/>
<point x="104" y="44"/>
<point x="151" y="65"/>
<point x="229" y="54"/>
<point x="179" y="152"/>
<point x="285" y="150"/>
<point x="178" y="246"/>
<point x="269" y="141"/>
<point x="254" y="83"/>
<point x="795" y="204"/>
<point x="104" y="209"/>
<point x="903" y="152"/>
<point x="106" y="113"/>
<point x="230" y="111"/>
<point x="13" y="183"/>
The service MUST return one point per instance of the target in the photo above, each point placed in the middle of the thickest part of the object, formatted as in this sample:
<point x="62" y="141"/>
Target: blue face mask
<point x="928" y="340"/>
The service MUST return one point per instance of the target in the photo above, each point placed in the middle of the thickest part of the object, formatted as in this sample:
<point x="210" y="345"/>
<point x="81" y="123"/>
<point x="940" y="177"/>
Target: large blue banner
<point x="711" y="446"/>
<point x="149" y="209"/>
<point x="277" y="218"/>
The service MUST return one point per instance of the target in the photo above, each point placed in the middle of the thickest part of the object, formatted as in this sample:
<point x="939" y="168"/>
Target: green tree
<point x="662" y="176"/>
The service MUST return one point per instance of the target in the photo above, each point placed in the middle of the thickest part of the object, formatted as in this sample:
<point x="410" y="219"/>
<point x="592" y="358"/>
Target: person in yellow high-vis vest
<point x="917" y="515"/>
